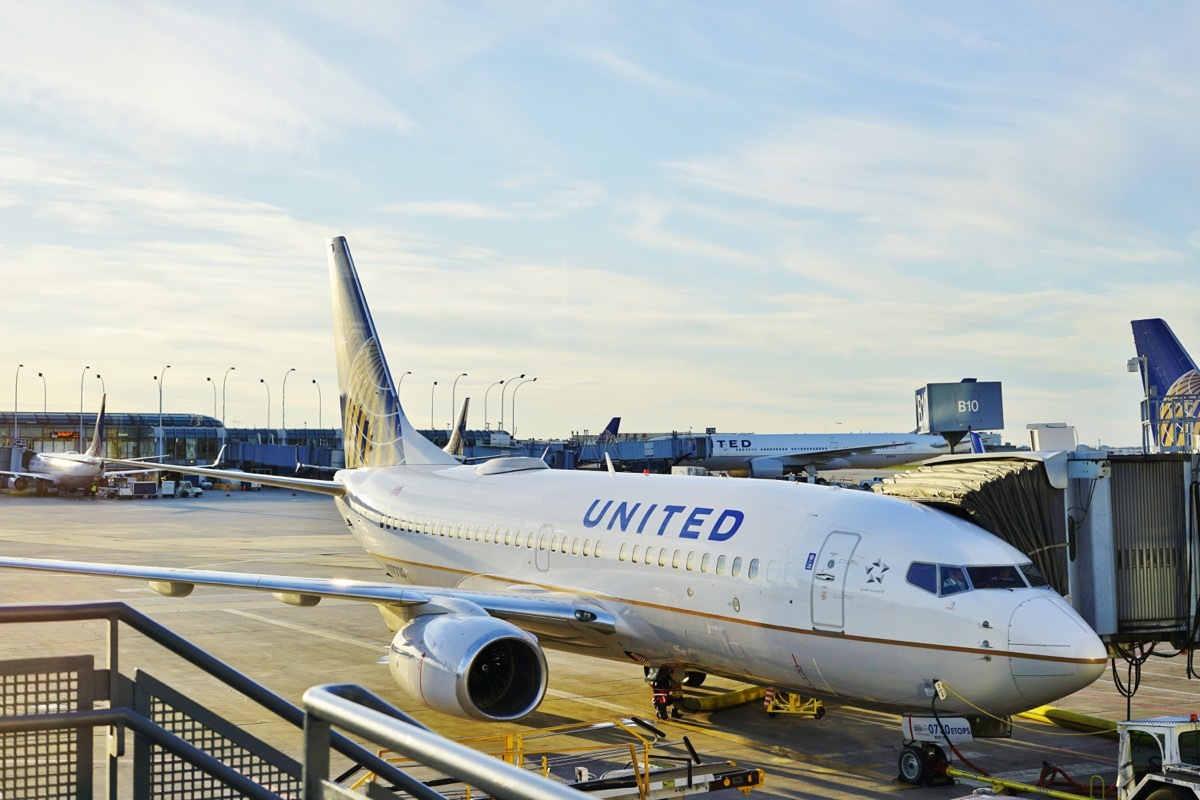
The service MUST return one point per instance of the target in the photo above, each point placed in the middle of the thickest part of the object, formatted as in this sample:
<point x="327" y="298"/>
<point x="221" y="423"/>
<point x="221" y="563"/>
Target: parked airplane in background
<point x="1172" y="381"/>
<point x="455" y="446"/>
<point x="773" y="455"/>
<point x="67" y="471"/>
<point x="819" y="590"/>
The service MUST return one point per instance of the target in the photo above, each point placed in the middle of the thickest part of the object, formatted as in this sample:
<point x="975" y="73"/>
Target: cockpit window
<point x="1034" y="576"/>
<point x="923" y="576"/>
<point x="952" y="580"/>
<point x="1005" y="577"/>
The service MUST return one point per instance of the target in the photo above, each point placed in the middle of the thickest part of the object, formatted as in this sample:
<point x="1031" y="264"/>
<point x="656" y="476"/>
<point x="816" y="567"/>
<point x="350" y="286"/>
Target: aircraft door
<point x="829" y="581"/>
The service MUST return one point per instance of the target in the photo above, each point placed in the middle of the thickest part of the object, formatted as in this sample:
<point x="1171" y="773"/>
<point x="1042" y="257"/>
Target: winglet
<point x="455" y="446"/>
<point x="375" y="430"/>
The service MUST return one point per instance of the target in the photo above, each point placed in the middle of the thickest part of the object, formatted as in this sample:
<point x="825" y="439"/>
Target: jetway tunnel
<point x="1114" y="533"/>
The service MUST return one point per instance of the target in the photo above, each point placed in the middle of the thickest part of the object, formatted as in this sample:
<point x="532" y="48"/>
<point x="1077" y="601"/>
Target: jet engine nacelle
<point x="17" y="483"/>
<point x="766" y="468"/>
<point x="469" y="665"/>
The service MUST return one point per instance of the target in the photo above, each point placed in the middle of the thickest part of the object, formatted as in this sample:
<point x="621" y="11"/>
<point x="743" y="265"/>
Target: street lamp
<point x="214" y="385"/>
<point x="103" y="389"/>
<point x="283" y="423"/>
<point x="400" y="383"/>
<point x="485" y="398"/>
<point x="453" y="404"/>
<point x="16" y="378"/>
<point x="514" y="403"/>
<point x="263" y="381"/>
<point x="502" y="391"/>
<point x="432" y="392"/>
<point x="223" y="395"/>
<point x="319" y="403"/>
<point x="158" y="435"/>
<point x="85" y="369"/>
<point x="43" y="377"/>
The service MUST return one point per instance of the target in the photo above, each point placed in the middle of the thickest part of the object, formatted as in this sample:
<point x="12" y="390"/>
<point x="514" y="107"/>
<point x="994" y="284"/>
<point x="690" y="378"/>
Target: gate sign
<point x="969" y="405"/>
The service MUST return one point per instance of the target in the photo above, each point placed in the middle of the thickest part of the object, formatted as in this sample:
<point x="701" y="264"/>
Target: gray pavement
<point x="851" y="752"/>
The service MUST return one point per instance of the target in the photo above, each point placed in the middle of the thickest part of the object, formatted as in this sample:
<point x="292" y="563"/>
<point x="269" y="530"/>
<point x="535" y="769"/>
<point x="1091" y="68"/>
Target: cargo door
<point x="829" y="581"/>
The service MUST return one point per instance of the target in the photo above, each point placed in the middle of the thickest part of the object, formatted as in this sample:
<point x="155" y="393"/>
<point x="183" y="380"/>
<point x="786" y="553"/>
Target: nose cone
<point x="1054" y="652"/>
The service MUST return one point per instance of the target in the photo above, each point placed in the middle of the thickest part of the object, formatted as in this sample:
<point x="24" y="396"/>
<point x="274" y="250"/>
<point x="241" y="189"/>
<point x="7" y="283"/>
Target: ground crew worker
<point x="660" y="689"/>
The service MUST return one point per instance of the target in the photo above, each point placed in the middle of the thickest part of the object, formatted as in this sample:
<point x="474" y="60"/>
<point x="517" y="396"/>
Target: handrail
<point x="114" y="611"/>
<point x="363" y="714"/>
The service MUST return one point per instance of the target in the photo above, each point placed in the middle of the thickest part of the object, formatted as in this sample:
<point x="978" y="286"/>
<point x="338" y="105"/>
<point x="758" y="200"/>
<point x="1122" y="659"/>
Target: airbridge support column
<point x="1090" y="542"/>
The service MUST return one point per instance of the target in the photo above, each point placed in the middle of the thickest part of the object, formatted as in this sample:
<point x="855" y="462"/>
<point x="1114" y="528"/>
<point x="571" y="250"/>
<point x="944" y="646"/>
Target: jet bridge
<point x="1114" y="533"/>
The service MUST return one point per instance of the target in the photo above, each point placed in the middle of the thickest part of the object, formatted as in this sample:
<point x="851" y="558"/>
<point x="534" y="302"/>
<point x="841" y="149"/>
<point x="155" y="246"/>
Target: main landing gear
<point x="923" y="764"/>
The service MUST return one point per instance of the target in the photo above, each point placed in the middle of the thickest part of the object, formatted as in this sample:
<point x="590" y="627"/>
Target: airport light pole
<point x="432" y="392"/>
<point x="485" y="399"/>
<point x="103" y="389"/>
<point x="16" y="431"/>
<point x="514" y="402"/>
<point x="85" y="369"/>
<point x="158" y="435"/>
<point x="263" y="381"/>
<point x="214" y="385"/>
<point x="319" y="403"/>
<point x="43" y="377"/>
<point x="223" y="380"/>
<point x="283" y="403"/>
<point x="453" y="403"/>
<point x="504" y="389"/>
<point x="400" y="383"/>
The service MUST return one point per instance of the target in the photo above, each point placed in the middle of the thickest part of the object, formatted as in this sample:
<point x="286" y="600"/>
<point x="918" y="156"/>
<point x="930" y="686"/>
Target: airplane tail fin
<point x="96" y="448"/>
<point x="609" y="434"/>
<point x="375" y="430"/>
<point x="976" y="443"/>
<point x="1164" y="361"/>
<point x="1172" y="382"/>
<point x="455" y="446"/>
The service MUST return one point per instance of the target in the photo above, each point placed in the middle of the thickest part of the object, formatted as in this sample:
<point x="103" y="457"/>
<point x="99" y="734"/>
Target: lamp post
<point x="453" y="403"/>
<point x="514" y="403"/>
<point x="485" y="398"/>
<point x="263" y="381"/>
<point x="103" y="389"/>
<point x="158" y="435"/>
<point x="432" y="392"/>
<point x="400" y="383"/>
<point x="43" y="377"/>
<point x="223" y="395"/>
<point x="214" y="385"/>
<point x="283" y="403"/>
<point x="16" y="378"/>
<point x="504" y="389"/>
<point x="319" y="403"/>
<point x="85" y="369"/>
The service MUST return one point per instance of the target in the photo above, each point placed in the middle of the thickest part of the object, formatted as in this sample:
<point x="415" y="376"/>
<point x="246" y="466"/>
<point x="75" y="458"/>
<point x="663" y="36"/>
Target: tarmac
<point x="850" y="752"/>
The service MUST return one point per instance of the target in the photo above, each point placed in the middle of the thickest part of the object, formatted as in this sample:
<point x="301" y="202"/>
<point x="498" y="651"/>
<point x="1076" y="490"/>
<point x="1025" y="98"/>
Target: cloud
<point x="152" y="76"/>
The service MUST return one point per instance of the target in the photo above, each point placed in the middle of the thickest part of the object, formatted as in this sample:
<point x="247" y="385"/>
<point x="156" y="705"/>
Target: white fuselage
<point x="823" y="450"/>
<point x="794" y="585"/>
<point x="66" y="473"/>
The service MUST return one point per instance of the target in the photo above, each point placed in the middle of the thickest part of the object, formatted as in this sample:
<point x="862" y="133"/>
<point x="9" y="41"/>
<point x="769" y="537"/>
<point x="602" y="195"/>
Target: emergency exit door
<point x="829" y="581"/>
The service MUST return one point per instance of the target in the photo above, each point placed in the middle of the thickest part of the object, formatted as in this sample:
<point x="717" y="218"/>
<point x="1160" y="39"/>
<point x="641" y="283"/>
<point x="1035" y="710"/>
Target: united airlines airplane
<point x="68" y="471"/>
<point x="825" y="591"/>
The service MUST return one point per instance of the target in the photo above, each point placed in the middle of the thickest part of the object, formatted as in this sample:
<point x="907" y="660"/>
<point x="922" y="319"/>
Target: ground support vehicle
<point x="180" y="489"/>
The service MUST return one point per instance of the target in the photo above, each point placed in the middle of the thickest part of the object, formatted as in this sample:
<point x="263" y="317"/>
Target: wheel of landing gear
<point x="692" y="678"/>
<point x="1168" y="793"/>
<point x="915" y="764"/>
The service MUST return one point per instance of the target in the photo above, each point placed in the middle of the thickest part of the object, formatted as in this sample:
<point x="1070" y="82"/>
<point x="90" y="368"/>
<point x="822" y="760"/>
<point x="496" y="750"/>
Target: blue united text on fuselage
<point x="686" y="522"/>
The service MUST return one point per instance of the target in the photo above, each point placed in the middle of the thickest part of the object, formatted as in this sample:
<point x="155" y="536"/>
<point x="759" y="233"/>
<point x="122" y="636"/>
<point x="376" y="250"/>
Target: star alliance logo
<point x="876" y="571"/>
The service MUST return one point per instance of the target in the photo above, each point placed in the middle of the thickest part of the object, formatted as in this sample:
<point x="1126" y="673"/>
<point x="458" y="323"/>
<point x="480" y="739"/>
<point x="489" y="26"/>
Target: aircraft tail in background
<point x="376" y="432"/>
<point x="609" y="434"/>
<point x="96" y="448"/>
<point x="977" y="443"/>
<point x="1172" y="384"/>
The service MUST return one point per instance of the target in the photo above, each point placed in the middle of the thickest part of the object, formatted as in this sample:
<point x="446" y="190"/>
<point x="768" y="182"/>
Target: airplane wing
<point x="560" y="615"/>
<point x="333" y="488"/>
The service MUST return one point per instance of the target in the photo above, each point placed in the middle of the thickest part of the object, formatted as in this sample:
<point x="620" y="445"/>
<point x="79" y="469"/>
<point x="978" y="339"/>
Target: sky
<point x="757" y="216"/>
